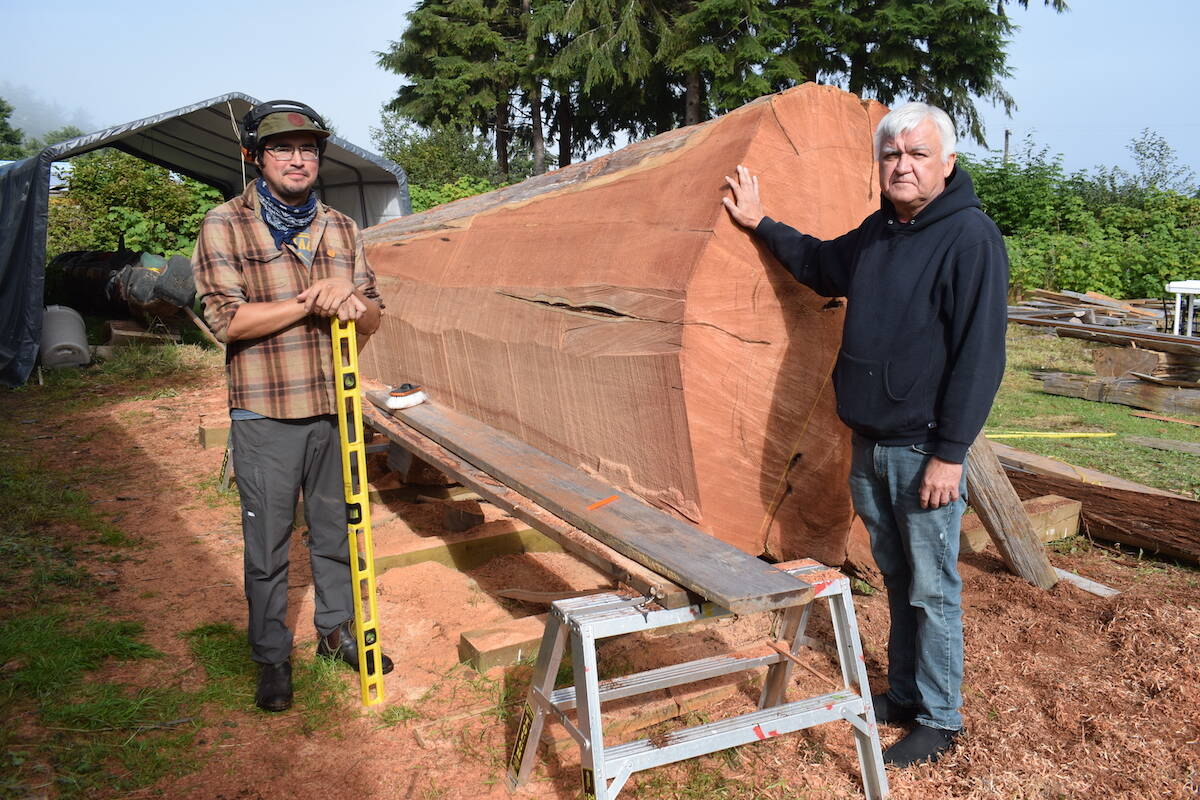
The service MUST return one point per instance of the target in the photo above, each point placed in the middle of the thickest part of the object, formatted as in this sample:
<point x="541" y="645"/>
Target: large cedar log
<point x="612" y="315"/>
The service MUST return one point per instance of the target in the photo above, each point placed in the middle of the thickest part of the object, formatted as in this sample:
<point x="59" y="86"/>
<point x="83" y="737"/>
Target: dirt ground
<point x="1066" y="695"/>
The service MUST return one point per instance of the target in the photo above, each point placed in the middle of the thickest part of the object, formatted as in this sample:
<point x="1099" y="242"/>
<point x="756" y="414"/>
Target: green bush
<point x="113" y="196"/>
<point x="1112" y="232"/>
<point x="427" y="197"/>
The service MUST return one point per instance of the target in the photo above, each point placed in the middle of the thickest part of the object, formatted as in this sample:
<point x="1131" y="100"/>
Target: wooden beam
<point x="463" y="552"/>
<point x="1125" y="391"/>
<point x="1012" y="458"/>
<point x="1143" y="414"/>
<point x="1090" y="586"/>
<point x="993" y="498"/>
<point x="1162" y="342"/>
<point x="729" y="577"/>
<point x="575" y="541"/>
<point x="1191" y="448"/>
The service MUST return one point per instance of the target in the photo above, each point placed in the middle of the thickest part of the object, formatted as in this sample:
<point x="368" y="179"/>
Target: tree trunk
<point x="858" y="70"/>
<point x="692" y="98"/>
<point x="535" y="126"/>
<point x="535" y="99"/>
<point x="565" y="117"/>
<point x="503" y="135"/>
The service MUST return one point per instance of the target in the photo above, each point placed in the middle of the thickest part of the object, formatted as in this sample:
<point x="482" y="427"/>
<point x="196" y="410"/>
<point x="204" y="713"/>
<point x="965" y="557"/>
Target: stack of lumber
<point x="1141" y="367"/>
<point x="610" y="314"/>
<point x="1090" y="308"/>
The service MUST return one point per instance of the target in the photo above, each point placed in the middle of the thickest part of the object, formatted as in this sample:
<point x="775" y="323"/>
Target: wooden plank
<point x="1150" y="340"/>
<point x="1173" y="445"/>
<point x="1053" y="517"/>
<point x="575" y="541"/>
<point x="1012" y="458"/>
<point x="1090" y="586"/>
<point x="993" y="498"/>
<point x="1165" y="524"/>
<point x="687" y="556"/>
<point x="1155" y="379"/>
<point x="1192" y="422"/>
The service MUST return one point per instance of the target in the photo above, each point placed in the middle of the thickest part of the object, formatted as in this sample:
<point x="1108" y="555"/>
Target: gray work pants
<point x="273" y="460"/>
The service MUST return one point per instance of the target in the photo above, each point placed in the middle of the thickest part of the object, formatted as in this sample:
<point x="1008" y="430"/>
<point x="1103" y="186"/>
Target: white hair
<point x="910" y="115"/>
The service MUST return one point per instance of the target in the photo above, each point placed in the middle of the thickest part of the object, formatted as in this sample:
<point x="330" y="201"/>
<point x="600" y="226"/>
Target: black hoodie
<point x="923" y="342"/>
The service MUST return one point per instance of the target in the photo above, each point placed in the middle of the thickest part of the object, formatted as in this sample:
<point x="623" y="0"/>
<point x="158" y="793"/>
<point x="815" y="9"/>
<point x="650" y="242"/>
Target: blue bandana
<point x="282" y="220"/>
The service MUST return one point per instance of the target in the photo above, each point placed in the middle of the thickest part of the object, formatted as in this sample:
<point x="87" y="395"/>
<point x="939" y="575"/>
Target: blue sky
<point x="1086" y="82"/>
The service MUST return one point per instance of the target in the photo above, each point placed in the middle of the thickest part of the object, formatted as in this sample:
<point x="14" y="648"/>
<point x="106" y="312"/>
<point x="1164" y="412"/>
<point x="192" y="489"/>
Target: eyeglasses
<point x="285" y="152"/>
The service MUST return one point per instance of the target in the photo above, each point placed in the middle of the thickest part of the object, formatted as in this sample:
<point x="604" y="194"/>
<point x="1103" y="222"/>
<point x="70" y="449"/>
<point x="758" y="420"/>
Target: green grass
<point x="1021" y="405"/>
<point x="67" y="732"/>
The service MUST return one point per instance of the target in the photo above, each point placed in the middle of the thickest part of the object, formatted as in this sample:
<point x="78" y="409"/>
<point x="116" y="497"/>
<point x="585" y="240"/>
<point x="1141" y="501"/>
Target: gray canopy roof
<point x="199" y="141"/>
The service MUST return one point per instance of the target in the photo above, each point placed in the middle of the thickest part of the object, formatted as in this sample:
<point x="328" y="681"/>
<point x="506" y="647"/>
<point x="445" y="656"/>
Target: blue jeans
<point x="917" y="551"/>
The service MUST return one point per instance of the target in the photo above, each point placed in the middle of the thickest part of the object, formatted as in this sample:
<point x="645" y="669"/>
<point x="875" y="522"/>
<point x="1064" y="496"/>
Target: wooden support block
<point x="1053" y="517"/>
<point x="502" y="645"/>
<point x="214" y="430"/>
<point x="465" y="552"/>
<point x="411" y="469"/>
<point x="461" y="515"/>
<point x="996" y="502"/>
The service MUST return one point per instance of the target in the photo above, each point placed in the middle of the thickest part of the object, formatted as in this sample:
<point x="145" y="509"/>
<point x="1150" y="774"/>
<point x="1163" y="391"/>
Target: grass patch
<point x="94" y="737"/>
<point x="1021" y="405"/>
<point x="140" y="371"/>
<point x="223" y="653"/>
<point x="393" y="716"/>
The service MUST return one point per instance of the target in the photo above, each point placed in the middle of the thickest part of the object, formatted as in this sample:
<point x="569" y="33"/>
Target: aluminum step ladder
<point x="587" y="620"/>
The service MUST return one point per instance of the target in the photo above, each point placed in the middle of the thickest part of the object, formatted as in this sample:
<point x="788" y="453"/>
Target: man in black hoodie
<point x="926" y="284"/>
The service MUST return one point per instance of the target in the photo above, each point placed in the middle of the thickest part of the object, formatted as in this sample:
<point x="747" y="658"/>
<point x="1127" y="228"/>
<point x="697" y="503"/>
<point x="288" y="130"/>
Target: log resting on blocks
<point x="612" y="315"/>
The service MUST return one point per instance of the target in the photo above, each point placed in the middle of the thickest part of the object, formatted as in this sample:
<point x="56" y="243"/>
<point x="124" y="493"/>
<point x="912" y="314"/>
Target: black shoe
<point x="339" y="643"/>
<point x="274" y="687"/>
<point x="923" y="744"/>
<point x="889" y="712"/>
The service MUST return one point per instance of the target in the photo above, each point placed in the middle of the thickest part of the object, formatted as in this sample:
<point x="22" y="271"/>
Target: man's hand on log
<point x="939" y="484"/>
<point x="745" y="206"/>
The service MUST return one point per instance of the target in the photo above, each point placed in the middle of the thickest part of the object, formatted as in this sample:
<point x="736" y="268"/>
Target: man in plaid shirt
<point x="272" y="267"/>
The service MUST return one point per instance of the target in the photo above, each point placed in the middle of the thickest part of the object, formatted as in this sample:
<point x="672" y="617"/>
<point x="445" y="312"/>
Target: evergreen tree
<point x="11" y="147"/>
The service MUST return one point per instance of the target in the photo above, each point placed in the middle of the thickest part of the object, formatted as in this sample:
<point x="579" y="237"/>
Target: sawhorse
<point x="606" y="769"/>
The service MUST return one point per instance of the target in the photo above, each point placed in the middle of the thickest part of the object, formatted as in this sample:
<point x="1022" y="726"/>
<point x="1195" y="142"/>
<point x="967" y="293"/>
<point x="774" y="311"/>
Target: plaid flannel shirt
<point x="288" y="374"/>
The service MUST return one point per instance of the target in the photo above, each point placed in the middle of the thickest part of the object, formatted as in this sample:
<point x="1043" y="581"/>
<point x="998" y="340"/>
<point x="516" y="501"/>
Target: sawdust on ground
<point x="1065" y="694"/>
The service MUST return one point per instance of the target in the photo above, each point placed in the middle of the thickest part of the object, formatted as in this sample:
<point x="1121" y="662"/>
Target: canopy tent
<point x="199" y="141"/>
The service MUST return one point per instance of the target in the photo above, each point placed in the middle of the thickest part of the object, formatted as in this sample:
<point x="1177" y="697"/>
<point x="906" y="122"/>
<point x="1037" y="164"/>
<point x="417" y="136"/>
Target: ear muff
<point x="256" y="115"/>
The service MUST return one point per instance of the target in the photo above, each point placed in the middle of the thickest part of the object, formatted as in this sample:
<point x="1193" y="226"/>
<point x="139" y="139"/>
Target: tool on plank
<point x="406" y="395"/>
<point x="358" y="510"/>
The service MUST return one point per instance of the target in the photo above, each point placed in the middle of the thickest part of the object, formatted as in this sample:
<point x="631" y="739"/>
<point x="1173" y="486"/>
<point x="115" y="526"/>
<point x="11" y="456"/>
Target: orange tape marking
<point x="603" y="502"/>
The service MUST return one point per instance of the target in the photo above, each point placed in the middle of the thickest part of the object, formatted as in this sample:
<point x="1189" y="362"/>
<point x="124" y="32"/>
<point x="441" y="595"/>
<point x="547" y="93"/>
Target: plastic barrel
<point x="64" y="338"/>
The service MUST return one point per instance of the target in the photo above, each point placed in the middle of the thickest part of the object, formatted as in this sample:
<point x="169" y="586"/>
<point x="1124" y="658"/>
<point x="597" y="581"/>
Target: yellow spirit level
<point x="358" y="510"/>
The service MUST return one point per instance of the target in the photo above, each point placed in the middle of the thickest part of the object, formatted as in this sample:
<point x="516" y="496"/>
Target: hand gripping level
<point x="358" y="510"/>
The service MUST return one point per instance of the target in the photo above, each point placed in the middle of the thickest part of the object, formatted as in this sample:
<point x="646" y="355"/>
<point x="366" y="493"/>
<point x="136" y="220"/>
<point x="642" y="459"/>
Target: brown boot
<point x="339" y="643"/>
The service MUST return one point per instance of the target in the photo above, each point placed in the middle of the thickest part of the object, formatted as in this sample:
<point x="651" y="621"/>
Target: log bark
<point x="612" y="315"/>
<point x="1125" y="391"/>
<point x="997" y="504"/>
<point x="1157" y="523"/>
